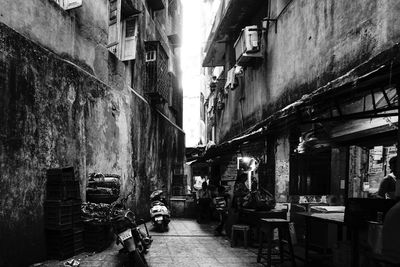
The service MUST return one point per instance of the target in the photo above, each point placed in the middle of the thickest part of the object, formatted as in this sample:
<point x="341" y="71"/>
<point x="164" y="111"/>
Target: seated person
<point x="391" y="235"/>
<point x="388" y="185"/>
<point x="221" y="204"/>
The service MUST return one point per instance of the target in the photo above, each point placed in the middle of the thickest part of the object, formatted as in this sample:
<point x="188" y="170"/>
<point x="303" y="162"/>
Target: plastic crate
<point x="57" y="214"/>
<point x="63" y="244"/>
<point x="78" y="227"/>
<point x="77" y="212"/>
<point x="59" y="239"/>
<point x="61" y="174"/>
<point x="62" y="190"/>
<point x="61" y="214"/>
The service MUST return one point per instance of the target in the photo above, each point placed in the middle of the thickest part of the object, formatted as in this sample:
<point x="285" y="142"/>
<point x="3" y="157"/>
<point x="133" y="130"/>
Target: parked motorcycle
<point x="135" y="242"/>
<point x="159" y="213"/>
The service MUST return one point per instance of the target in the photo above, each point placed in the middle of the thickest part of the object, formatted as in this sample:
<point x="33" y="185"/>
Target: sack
<point x="240" y="190"/>
<point x="248" y="201"/>
<point x="264" y="200"/>
<point x="261" y="200"/>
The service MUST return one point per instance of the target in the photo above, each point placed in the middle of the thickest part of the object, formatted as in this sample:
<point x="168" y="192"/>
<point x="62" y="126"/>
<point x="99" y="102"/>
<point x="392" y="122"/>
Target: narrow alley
<point x="186" y="244"/>
<point x="248" y="132"/>
<point x="191" y="244"/>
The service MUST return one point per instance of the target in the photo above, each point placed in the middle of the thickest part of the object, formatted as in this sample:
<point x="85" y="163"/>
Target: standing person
<point x="221" y="204"/>
<point x="203" y="201"/>
<point x="387" y="187"/>
<point x="391" y="235"/>
<point x="240" y="191"/>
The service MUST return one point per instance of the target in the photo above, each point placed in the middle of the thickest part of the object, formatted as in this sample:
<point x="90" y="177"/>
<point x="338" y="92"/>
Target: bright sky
<point x="191" y="67"/>
<point x="191" y="42"/>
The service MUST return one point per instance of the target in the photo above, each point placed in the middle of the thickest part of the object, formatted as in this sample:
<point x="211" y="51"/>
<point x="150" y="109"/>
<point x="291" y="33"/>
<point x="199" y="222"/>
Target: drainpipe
<point x="397" y="84"/>
<point x="398" y="144"/>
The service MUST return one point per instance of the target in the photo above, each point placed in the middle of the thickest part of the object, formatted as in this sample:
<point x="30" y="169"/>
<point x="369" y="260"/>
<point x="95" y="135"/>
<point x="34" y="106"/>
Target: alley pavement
<point x="187" y="243"/>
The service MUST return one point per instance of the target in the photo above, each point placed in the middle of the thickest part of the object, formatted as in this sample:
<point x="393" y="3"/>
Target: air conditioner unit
<point x="247" y="46"/>
<point x="69" y="4"/>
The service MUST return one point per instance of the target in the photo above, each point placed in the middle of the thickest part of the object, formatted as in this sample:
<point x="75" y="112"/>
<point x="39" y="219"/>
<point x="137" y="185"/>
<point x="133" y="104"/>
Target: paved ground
<point x="187" y="243"/>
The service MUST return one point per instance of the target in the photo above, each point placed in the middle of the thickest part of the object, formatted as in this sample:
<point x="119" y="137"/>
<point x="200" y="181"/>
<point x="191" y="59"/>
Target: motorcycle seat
<point x="155" y="203"/>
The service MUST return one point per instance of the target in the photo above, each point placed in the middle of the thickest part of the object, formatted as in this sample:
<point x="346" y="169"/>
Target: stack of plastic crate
<point x="62" y="212"/>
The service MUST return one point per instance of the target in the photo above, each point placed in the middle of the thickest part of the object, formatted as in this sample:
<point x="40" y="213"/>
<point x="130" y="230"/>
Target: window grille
<point x="151" y="56"/>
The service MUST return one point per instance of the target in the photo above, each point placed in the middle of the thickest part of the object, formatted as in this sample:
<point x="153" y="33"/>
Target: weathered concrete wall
<point x="282" y="155"/>
<point x="79" y="34"/>
<point x="316" y="41"/>
<point x="52" y="114"/>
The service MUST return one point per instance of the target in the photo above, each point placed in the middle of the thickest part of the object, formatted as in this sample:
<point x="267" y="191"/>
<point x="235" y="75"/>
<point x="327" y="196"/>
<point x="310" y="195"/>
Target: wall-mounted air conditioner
<point x="247" y="46"/>
<point x="69" y="4"/>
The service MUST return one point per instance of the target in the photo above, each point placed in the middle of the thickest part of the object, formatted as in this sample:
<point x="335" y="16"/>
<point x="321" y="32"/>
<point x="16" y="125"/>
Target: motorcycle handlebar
<point x="119" y="201"/>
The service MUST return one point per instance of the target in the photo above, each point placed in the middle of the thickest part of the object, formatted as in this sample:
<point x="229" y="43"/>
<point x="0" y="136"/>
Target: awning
<point x="373" y="74"/>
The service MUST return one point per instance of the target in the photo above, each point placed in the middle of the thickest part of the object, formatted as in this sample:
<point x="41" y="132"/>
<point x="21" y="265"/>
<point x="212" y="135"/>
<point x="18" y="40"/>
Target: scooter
<point x="135" y="242"/>
<point x="159" y="213"/>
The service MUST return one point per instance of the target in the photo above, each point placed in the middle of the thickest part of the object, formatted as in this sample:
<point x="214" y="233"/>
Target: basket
<point x="97" y="237"/>
<point x="109" y="182"/>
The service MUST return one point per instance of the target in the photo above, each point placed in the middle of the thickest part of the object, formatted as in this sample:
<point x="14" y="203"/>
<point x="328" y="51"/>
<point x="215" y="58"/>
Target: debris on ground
<point x="72" y="262"/>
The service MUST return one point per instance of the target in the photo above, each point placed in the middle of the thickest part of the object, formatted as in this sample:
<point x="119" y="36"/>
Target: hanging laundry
<point x="211" y="102"/>
<point x="239" y="72"/>
<point x="231" y="79"/>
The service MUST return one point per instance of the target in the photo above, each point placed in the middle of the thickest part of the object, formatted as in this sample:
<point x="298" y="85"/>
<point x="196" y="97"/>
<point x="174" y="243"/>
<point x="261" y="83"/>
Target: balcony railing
<point x="157" y="81"/>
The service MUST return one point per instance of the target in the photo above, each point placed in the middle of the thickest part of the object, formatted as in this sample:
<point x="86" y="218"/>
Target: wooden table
<point x="330" y="218"/>
<point x="252" y="217"/>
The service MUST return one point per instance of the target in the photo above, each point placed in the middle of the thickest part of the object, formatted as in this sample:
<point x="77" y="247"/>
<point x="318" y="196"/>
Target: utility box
<point x="177" y="205"/>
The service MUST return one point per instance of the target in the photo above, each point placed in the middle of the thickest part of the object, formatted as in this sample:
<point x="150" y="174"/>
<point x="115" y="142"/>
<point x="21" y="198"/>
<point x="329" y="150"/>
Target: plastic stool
<point x="239" y="227"/>
<point x="267" y="226"/>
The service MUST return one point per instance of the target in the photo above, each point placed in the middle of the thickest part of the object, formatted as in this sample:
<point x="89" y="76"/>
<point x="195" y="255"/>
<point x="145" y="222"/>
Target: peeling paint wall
<point x="49" y="109"/>
<point x="79" y="34"/>
<point x="282" y="155"/>
<point x="66" y="101"/>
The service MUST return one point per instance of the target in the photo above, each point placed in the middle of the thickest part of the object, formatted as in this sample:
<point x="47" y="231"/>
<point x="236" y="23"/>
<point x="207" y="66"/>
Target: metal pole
<point x="397" y="192"/>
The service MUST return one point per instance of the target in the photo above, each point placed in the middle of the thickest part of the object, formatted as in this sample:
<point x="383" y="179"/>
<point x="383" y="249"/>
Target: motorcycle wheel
<point x="137" y="259"/>
<point x="162" y="227"/>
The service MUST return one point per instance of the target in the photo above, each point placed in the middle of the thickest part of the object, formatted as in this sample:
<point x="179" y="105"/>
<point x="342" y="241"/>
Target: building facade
<point x="89" y="84"/>
<point x="293" y="70"/>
